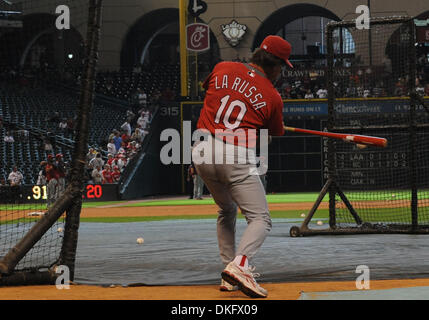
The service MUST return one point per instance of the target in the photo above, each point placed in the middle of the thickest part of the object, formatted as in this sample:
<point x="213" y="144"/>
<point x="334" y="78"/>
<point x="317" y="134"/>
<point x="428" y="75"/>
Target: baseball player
<point x="41" y="178"/>
<point x="241" y="96"/>
<point x="61" y="172"/>
<point x="52" y="181"/>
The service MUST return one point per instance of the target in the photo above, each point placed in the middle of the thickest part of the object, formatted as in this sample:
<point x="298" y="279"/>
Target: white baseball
<point x="319" y="223"/>
<point x="140" y="240"/>
<point x="302" y="215"/>
<point x="60" y="229"/>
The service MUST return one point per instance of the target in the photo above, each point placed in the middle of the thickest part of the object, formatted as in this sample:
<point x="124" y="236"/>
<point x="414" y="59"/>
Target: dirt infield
<point x="277" y="291"/>
<point x="157" y="211"/>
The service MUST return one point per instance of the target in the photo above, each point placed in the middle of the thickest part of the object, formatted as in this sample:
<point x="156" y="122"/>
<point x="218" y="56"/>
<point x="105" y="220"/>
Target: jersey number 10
<point x="226" y="118"/>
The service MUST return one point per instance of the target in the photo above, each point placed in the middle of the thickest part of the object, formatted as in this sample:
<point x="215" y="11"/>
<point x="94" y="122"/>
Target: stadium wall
<point x="120" y="16"/>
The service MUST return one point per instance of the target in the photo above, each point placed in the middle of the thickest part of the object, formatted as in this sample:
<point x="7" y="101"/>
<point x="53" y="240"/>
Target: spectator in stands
<point x="132" y="148"/>
<point x="322" y="93"/>
<point x="70" y="126"/>
<point x="107" y="174"/>
<point x="142" y="120"/>
<point x="111" y="147"/>
<point x="96" y="162"/>
<point x="399" y="88"/>
<point x="97" y="177"/>
<point x="117" y="140"/>
<point x="90" y="155"/>
<point x="125" y="139"/>
<point x="309" y="95"/>
<point x="419" y="87"/>
<point x="366" y="93"/>
<point x="121" y="161"/>
<point x="378" y="90"/>
<point x="141" y="98"/>
<point x="122" y="149"/>
<point x="47" y="144"/>
<point x="138" y="134"/>
<point x="427" y="89"/>
<point x="130" y="116"/>
<point x="15" y="177"/>
<point x="360" y="91"/>
<point x="63" y="125"/>
<point x="293" y="92"/>
<point x="112" y="135"/>
<point x="116" y="174"/>
<point x="3" y="182"/>
<point x="9" y="137"/>
<point x="126" y="128"/>
<point x="110" y="159"/>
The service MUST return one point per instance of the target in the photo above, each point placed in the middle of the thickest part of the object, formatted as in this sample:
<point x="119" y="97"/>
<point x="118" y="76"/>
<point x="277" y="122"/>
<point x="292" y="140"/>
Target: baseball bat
<point x="355" y="138"/>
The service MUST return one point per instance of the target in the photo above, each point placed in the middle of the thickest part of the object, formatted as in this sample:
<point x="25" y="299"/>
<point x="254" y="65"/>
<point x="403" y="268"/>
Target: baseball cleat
<point x="244" y="279"/>
<point x="225" y="286"/>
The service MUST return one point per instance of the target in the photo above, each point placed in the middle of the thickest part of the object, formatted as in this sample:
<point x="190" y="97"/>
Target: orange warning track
<point x="276" y="291"/>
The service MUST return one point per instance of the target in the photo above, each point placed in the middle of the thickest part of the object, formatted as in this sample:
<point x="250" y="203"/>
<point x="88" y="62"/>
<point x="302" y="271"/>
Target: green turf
<point x="271" y="198"/>
<point x="385" y="215"/>
<point x="291" y="214"/>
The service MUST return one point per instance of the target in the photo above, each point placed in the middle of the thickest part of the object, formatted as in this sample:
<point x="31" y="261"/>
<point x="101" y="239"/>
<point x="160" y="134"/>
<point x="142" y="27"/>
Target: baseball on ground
<point x="140" y="240"/>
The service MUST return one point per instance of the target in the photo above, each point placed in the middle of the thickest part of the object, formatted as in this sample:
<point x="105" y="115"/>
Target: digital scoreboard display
<point x="92" y="192"/>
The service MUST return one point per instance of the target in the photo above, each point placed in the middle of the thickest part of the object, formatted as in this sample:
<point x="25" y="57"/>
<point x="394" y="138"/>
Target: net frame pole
<point x="330" y="123"/>
<point x="413" y="135"/>
<point x="69" y="245"/>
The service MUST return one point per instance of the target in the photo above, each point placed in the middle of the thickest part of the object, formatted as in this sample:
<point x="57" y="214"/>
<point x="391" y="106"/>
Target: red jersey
<point x="51" y="172"/>
<point x="107" y="176"/>
<point x="240" y="96"/>
<point x="116" y="175"/>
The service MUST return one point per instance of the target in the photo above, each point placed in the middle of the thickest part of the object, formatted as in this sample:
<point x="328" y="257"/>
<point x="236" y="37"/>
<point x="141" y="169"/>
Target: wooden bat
<point x="355" y="138"/>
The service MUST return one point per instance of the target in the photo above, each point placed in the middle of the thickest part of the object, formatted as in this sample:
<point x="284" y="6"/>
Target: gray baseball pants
<point x="232" y="186"/>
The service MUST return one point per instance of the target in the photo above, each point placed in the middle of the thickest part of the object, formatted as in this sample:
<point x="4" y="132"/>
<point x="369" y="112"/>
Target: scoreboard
<point x="300" y="162"/>
<point x="38" y="194"/>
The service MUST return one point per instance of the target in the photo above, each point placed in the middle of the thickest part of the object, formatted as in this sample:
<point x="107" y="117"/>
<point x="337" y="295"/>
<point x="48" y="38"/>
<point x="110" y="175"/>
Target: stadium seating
<point x="31" y="110"/>
<point x="124" y="84"/>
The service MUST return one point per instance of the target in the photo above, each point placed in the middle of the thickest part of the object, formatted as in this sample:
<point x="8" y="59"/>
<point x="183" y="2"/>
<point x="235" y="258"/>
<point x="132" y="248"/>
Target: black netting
<point x="376" y="99"/>
<point x="40" y="54"/>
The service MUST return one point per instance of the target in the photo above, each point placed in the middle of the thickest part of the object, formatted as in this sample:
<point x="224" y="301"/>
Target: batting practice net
<point x="372" y="79"/>
<point x="36" y="233"/>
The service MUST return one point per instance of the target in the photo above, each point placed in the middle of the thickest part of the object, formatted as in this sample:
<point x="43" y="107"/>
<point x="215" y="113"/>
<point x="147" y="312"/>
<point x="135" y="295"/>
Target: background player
<point x="242" y="96"/>
<point x="51" y="180"/>
<point x="61" y="172"/>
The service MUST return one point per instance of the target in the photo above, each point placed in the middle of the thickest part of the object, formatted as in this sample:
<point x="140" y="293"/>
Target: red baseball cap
<point x="278" y="47"/>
